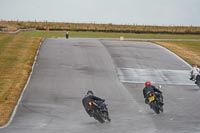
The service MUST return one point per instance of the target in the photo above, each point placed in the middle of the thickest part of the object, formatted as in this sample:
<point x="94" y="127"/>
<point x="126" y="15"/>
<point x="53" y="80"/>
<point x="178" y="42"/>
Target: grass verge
<point x="17" y="54"/>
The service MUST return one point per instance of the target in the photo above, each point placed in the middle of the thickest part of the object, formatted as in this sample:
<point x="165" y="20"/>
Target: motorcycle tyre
<point x="98" y="117"/>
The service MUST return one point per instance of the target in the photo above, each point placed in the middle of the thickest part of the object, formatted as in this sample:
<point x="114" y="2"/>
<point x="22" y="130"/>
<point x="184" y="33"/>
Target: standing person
<point x="67" y="34"/>
<point x="194" y="72"/>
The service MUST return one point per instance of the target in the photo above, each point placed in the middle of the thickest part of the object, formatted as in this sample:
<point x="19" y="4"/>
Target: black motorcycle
<point x="154" y="102"/>
<point x="99" y="111"/>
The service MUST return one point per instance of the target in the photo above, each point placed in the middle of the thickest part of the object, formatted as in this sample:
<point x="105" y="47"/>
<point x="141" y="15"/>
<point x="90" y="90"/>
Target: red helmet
<point x="147" y="83"/>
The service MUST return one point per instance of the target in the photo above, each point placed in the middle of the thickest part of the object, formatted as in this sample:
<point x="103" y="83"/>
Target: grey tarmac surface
<point x="66" y="69"/>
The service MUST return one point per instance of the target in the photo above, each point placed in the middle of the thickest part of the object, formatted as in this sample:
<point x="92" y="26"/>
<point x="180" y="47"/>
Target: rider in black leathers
<point x="67" y="35"/>
<point x="90" y="97"/>
<point x="150" y="88"/>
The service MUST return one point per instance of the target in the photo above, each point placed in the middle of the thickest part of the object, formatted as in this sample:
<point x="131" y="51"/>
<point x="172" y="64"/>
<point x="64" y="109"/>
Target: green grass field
<point x="48" y="34"/>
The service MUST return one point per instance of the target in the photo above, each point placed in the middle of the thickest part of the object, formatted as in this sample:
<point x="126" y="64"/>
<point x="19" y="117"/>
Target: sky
<point x="140" y="12"/>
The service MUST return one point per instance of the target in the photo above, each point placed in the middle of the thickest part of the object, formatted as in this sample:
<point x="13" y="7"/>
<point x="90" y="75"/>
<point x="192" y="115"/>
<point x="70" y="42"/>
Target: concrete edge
<point x="22" y="93"/>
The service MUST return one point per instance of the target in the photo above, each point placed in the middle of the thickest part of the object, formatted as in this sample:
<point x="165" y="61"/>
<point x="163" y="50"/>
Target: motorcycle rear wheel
<point x="155" y="108"/>
<point x="98" y="117"/>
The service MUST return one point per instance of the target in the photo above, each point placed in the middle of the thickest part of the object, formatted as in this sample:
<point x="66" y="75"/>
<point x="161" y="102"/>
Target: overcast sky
<point x="147" y="12"/>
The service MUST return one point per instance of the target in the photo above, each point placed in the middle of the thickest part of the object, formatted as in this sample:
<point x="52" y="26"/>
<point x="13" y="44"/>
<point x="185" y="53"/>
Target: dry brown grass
<point x="16" y="58"/>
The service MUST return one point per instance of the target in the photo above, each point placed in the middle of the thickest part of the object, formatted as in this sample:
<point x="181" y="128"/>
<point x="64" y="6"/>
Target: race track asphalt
<point x="116" y="71"/>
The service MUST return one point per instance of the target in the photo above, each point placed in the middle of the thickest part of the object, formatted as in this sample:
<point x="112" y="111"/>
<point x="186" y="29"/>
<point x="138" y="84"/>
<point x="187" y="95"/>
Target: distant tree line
<point x="60" y="26"/>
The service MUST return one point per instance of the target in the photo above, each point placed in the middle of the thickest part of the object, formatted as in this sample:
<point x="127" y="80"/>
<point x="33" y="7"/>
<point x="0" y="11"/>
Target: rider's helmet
<point x="147" y="83"/>
<point x="90" y="92"/>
